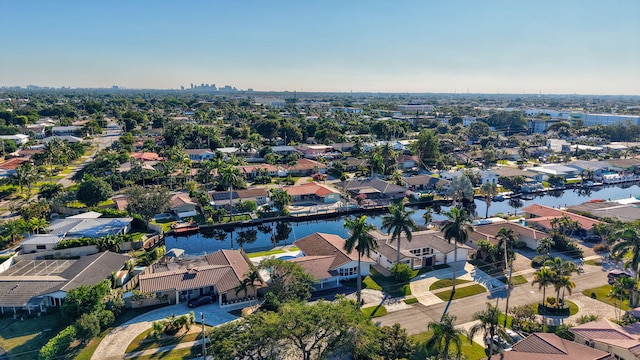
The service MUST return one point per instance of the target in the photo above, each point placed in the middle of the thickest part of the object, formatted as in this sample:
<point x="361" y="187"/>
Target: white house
<point x="20" y="139"/>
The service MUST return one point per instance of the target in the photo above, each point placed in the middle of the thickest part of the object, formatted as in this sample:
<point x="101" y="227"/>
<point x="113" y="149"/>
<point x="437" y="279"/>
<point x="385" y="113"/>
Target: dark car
<point x="202" y="300"/>
<point x="615" y="274"/>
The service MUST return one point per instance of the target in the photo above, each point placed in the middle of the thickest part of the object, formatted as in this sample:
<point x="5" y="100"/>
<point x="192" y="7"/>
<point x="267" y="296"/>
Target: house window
<point x="618" y="357"/>
<point x="41" y="247"/>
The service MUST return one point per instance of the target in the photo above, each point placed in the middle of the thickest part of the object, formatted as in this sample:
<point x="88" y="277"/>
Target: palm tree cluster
<point x="556" y="273"/>
<point x="627" y="249"/>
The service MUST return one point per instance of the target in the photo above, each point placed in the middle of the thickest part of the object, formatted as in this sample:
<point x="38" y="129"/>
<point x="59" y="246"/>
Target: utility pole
<point x="204" y="342"/>
<point x="509" y="272"/>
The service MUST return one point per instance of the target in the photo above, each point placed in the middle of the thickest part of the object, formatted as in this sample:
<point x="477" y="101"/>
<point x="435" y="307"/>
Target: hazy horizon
<point x="571" y="47"/>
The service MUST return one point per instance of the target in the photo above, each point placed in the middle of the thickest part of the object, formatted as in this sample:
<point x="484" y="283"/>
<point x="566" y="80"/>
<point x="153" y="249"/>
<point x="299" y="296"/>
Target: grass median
<point x="462" y="292"/>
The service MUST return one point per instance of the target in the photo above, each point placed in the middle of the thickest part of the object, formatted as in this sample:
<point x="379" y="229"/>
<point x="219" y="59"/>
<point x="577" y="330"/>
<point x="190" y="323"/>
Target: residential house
<point x="420" y="183"/>
<point x="65" y="130"/>
<point x="316" y="151"/>
<point x="549" y="346"/>
<point x="326" y="259"/>
<point x="39" y="242"/>
<point x="621" y="342"/>
<point x="31" y="284"/>
<point x="314" y="192"/>
<point x="146" y="156"/>
<point x="541" y="216"/>
<point x="183" y="206"/>
<point x="9" y="167"/>
<point x="407" y="162"/>
<point x="89" y="225"/>
<point x="352" y="164"/>
<point x="65" y="138"/>
<point x="427" y="248"/>
<point x="343" y="147"/>
<point x="251" y="171"/>
<point x="218" y="274"/>
<point x="372" y="188"/>
<point x="488" y="232"/>
<point x="200" y="154"/>
<point x="284" y="150"/>
<point x="20" y="139"/>
<point x="306" y="167"/>
<point x="221" y="198"/>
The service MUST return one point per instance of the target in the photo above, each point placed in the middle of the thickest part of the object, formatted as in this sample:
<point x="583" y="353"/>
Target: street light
<point x="204" y="342"/>
<point x="509" y="272"/>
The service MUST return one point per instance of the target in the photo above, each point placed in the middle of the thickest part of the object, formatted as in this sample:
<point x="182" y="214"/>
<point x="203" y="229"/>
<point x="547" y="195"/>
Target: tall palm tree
<point x="229" y="176"/>
<point x="362" y="241"/>
<point x="457" y="228"/>
<point x="543" y="277"/>
<point x="490" y="190"/>
<point x="460" y="189"/>
<point x="444" y="334"/>
<point x="628" y="249"/>
<point x="506" y="238"/>
<point x="397" y="222"/>
<point x="488" y="325"/>
<point x="37" y="224"/>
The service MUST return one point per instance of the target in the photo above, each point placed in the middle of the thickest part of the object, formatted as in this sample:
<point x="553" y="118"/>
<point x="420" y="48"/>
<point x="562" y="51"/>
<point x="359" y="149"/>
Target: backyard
<point x="22" y="339"/>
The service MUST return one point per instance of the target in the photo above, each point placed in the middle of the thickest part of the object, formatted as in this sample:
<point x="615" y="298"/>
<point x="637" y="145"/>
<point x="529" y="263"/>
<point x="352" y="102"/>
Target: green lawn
<point x="235" y="218"/>
<point x="22" y="339"/>
<point x="462" y="292"/>
<point x="188" y="353"/>
<point x="602" y="294"/>
<point x="390" y="285"/>
<point x="266" y="253"/>
<point x="515" y="280"/>
<point x="445" y="283"/>
<point x="470" y="349"/>
<point x="573" y="308"/>
<point x="144" y="341"/>
<point x="410" y="301"/>
<point x="166" y="224"/>
<point x="593" y="262"/>
<point x="375" y="311"/>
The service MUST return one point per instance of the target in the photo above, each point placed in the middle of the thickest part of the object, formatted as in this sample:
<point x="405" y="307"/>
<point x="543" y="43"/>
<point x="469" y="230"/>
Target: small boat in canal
<point x="185" y="228"/>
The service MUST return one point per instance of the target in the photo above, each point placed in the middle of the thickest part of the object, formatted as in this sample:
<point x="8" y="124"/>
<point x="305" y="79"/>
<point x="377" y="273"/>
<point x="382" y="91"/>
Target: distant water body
<point x="270" y="234"/>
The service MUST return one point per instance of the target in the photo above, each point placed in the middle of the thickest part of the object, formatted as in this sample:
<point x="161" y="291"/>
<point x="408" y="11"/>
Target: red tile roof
<point x="146" y="156"/>
<point x="320" y="244"/>
<point x="545" y="214"/>
<point x="548" y="346"/>
<point x="309" y="189"/>
<point x="12" y="164"/>
<point x="306" y="164"/>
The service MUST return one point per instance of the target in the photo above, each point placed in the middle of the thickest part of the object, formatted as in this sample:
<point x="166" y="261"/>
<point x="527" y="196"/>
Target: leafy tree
<point x="147" y="202"/>
<point x="545" y="245"/>
<point x="444" y="334"/>
<point x="397" y="222"/>
<point x="87" y="326"/>
<point x="289" y="282"/>
<point x="401" y="272"/>
<point x="457" y="228"/>
<point x="92" y="191"/>
<point x="395" y="343"/>
<point x="521" y="315"/>
<point x="281" y="199"/>
<point x="25" y="175"/>
<point x="49" y="191"/>
<point x="85" y="299"/>
<point x="362" y="241"/>
<point x="427" y="147"/>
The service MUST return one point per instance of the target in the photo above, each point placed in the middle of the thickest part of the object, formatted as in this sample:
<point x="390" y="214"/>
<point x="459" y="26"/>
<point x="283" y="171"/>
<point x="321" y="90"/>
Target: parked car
<point x="498" y="344"/>
<point x="593" y="239"/>
<point x="614" y="274"/>
<point x="202" y="300"/>
<point x="515" y="336"/>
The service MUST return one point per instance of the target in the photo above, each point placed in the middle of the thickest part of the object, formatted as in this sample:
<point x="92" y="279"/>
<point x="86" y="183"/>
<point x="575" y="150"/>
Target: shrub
<point x="587" y="318"/>
<point x="87" y="326"/>
<point x="401" y="272"/>
<point x="58" y="344"/>
<point x="600" y="248"/>
<point x="593" y="295"/>
<point x="563" y="332"/>
<point x="539" y="260"/>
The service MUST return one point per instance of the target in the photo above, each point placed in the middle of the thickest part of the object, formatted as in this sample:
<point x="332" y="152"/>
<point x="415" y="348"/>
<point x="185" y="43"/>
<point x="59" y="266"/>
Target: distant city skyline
<point x="549" y="47"/>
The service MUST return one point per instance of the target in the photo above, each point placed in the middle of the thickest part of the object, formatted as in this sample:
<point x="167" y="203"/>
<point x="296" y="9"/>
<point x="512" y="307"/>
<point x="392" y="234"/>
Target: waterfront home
<point x="541" y="217"/>
<point x="315" y="151"/>
<point x="221" y="198"/>
<point x="89" y="225"/>
<point x="251" y="171"/>
<point x="200" y="154"/>
<point x="314" y="192"/>
<point x="425" y="183"/>
<point x="29" y="283"/>
<point x="621" y="342"/>
<point x="326" y="259"/>
<point x="488" y="232"/>
<point x="427" y="248"/>
<point x="549" y="346"/>
<point x="183" y="206"/>
<point x="372" y="188"/>
<point x="218" y="274"/>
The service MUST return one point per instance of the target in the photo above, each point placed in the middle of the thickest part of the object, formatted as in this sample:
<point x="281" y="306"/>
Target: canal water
<point x="266" y="236"/>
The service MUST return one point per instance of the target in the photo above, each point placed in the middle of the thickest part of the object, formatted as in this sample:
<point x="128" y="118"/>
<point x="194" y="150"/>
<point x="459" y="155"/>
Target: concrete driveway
<point x="114" y="345"/>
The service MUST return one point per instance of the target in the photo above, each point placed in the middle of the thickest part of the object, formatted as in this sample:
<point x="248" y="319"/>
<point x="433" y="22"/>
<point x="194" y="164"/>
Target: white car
<point x="498" y="344"/>
<point x="514" y="335"/>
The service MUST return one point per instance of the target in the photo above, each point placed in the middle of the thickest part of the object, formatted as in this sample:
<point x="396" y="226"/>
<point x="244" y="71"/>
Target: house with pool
<point x="326" y="260"/>
<point x="427" y="248"/>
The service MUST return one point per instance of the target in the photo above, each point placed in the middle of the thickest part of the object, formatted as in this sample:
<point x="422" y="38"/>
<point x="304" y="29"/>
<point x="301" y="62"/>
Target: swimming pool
<point x="286" y="257"/>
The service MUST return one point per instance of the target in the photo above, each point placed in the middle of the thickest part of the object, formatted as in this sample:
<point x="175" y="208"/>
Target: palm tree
<point x="444" y="333"/>
<point x="488" y="325"/>
<point x="37" y="224"/>
<point x="460" y="189"/>
<point x="397" y="222"/>
<point x="490" y="190"/>
<point x="457" y="228"/>
<point x="543" y="277"/>
<point x="229" y="176"/>
<point x="428" y="216"/>
<point x="628" y="248"/>
<point x="563" y="283"/>
<point x="545" y="245"/>
<point x="506" y="238"/>
<point x="362" y="241"/>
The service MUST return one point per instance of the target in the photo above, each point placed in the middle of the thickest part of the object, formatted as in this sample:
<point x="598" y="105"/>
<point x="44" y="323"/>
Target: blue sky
<point x="561" y="46"/>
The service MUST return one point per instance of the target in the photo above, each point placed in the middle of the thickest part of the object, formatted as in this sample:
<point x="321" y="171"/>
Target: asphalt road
<point x="415" y="320"/>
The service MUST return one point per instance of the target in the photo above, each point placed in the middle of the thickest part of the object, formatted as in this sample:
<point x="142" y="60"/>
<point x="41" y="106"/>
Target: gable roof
<point x="310" y="188"/>
<point x="425" y="180"/>
<point x="489" y="231"/>
<point x="306" y="164"/>
<point x="320" y="267"/>
<point x="607" y="332"/>
<point x="238" y="194"/>
<point x="545" y="214"/>
<point x="375" y="183"/>
<point x="419" y="239"/>
<point x="548" y="346"/>
<point x="320" y="244"/>
<point x="180" y="199"/>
